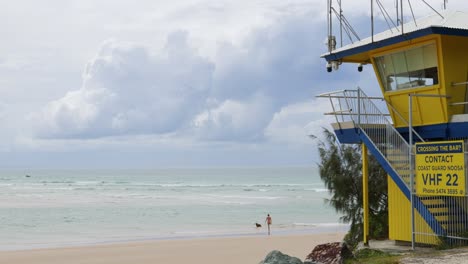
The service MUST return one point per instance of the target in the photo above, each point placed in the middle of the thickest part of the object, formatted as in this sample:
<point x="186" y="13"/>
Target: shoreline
<point x="44" y="245"/>
<point x="239" y="249"/>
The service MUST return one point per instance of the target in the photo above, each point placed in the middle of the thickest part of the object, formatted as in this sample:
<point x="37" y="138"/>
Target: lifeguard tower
<point x="419" y="138"/>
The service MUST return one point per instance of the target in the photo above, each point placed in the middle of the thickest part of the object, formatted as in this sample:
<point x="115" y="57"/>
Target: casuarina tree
<point x="340" y="169"/>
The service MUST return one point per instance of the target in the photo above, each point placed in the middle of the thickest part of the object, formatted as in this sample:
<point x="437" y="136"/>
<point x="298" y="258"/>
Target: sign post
<point x="440" y="168"/>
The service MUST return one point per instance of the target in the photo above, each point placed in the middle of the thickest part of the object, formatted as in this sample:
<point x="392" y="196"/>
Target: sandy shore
<point x="233" y="250"/>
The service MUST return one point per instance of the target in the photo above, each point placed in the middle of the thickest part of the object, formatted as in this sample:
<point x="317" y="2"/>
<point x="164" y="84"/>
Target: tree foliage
<point x="340" y="169"/>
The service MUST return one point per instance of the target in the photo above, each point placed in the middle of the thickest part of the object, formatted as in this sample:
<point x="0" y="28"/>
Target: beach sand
<point x="225" y="250"/>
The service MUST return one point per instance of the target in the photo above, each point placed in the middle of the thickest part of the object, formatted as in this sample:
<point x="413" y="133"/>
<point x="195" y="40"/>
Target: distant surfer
<point x="268" y="222"/>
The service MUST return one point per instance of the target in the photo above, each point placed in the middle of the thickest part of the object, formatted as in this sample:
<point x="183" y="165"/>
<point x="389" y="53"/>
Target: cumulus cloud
<point x="276" y="67"/>
<point x="235" y="120"/>
<point x="129" y="89"/>
<point x="279" y="61"/>
<point x="233" y="87"/>
<point x="296" y="122"/>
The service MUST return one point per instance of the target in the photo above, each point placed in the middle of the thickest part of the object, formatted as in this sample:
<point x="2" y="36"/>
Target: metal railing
<point x="355" y="106"/>
<point x="450" y="213"/>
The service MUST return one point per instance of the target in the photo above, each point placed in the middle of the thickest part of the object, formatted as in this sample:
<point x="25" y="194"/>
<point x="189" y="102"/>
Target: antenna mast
<point x="372" y="20"/>
<point x="341" y="23"/>
<point x="397" y="13"/>
<point x="331" y="40"/>
<point x="401" y="13"/>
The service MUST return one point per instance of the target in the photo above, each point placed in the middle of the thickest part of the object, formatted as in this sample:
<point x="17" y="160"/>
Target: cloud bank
<point x="201" y="82"/>
<point x="129" y="89"/>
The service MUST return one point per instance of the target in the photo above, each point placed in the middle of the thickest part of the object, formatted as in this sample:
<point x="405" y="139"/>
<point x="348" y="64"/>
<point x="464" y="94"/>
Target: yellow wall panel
<point x="453" y="68"/>
<point x="455" y="59"/>
<point x="399" y="218"/>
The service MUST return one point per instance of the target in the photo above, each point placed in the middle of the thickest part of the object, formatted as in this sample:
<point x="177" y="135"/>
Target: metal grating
<point x="440" y="219"/>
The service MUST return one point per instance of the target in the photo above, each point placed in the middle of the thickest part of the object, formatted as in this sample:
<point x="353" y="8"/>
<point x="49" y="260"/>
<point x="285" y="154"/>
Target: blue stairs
<point x="358" y="119"/>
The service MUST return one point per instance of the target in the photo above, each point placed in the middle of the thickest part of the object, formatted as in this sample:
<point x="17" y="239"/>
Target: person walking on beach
<point x="268" y="222"/>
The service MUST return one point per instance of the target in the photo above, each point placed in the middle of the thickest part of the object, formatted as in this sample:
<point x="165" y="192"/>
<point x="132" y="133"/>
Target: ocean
<point x="56" y="208"/>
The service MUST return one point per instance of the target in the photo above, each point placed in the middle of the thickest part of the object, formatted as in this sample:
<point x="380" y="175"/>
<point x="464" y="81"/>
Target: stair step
<point x="403" y="174"/>
<point x="424" y="198"/>
<point x="453" y="222"/>
<point x="400" y="162"/>
<point x="397" y="157"/>
<point x="434" y="202"/>
<point x="444" y="213"/>
<point x="401" y="155"/>
<point x="404" y="167"/>
<point x="429" y="206"/>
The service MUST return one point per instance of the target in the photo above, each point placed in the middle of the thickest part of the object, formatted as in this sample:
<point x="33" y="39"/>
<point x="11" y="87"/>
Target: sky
<point x="182" y="83"/>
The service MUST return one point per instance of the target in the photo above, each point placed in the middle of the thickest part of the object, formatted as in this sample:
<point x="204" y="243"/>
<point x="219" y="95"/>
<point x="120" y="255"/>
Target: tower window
<point x="411" y="68"/>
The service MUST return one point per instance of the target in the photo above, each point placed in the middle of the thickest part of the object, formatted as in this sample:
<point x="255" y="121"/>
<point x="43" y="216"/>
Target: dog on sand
<point x="258" y="225"/>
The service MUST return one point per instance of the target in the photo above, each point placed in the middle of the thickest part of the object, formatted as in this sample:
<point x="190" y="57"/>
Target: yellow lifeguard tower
<point x="419" y="136"/>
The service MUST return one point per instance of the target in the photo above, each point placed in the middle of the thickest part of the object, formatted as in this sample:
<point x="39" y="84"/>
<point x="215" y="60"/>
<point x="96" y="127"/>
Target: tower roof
<point x="453" y="23"/>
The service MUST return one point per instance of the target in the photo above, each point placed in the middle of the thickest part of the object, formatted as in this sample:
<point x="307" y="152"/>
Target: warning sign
<point x="440" y="168"/>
